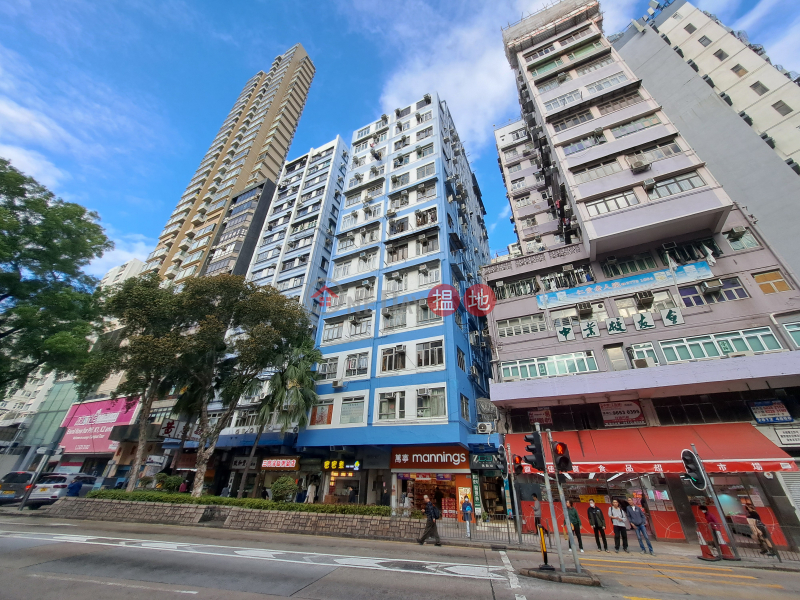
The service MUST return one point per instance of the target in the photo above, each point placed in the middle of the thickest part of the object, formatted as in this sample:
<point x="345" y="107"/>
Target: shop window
<point x="430" y="402"/>
<point x="352" y="410"/>
<point x="772" y="282"/>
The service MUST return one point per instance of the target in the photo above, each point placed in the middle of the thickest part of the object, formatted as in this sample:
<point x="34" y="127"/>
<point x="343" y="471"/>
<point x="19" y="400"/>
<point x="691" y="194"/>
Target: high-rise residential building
<point x="132" y="268"/>
<point x="248" y="152"/>
<point x="295" y="244"/>
<point x="400" y="378"/>
<point x="648" y="313"/>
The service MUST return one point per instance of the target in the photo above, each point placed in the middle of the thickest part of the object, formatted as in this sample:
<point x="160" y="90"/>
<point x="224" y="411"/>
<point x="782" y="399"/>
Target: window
<point x="428" y="245"/>
<point x="515" y="168"/>
<point x="425" y="314"/>
<point x="430" y="354"/>
<point x="400" y="180"/>
<point x="398" y="226"/>
<point x="368" y="262"/>
<point x="584" y="50"/>
<point x="518" y="184"/>
<point x="426" y="151"/>
<point x="549" y="366"/>
<point x="583" y="144"/>
<point x="521" y="325"/>
<point x="521" y="202"/>
<point x="357" y="364"/>
<point x="628" y="265"/>
<point x="511" y="154"/>
<point x="362" y="132"/>
<point x="565" y="317"/>
<point x="690" y="28"/>
<point x="644" y="350"/>
<point x="332" y="331"/>
<point x="559" y="280"/>
<point x="676" y="185"/>
<point x="739" y="70"/>
<point x="575" y="37"/>
<point x="425" y="171"/>
<point x="360" y="147"/>
<point x="394" y="317"/>
<point x="422" y="134"/>
<point x="732" y="289"/>
<point x="744" y="242"/>
<point x="596" y="172"/>
<point x="721" y="54"/>
<point x="519" y="134"/>
<point x="464" y="407"/>
<point x="552" y="84"/>
<point x="539" y="53"/>
<point x="715" y="346"/>
<point x="360" y="327"/>
<point x="654" y="153"/>
<point x="611" y="203"/>
<point x="594" y="66"/>
<point x="402" y="143"/>
<point x="627" y="307"/>
<point x="759" y="88"/>
<point x="397" y="253"/>
<point x="599" y="86"/>
<point x="705" y="41"/>
<point x="352" y="410"/>
<point x="461" y="359"/>
<point x="635" y="125"/>
<point x="391" y="405"/>
<point x="793" y="329"/>
<point x="564" y="100"/>
<point x="772" y="282"/>
<point x="429" y="276"/>
<point x="620" y="103"/>
<point x="783" y="108"/>
<point x="346" y="243"/>
<point x="393" y="359"/>
<point x="582" y="117"/>
<point x="516" y="289"/>
<point x="430" y="402"/>
<point x="341" y="270"/>
<point x="547" y="67"/>
<point x="691" y="251"/>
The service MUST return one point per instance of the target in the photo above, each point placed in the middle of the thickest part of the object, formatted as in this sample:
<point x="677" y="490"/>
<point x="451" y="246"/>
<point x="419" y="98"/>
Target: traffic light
<point x="517" y="462"/>
<point x="561" y="457"/>
<point x="501" y="459"/>
<point x="536" y="456"/>
<point x="694" y="470"/>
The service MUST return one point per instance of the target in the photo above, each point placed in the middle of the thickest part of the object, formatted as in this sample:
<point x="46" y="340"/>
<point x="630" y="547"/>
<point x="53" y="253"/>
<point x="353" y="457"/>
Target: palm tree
<point x="291" y="393"/>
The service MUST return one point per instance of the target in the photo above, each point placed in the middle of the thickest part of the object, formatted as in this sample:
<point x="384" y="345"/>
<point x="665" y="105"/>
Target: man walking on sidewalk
<point x="618" y="521"/>
<point x="714" y="526"/>
<point x="638" y="520"/>
<point x="598" y="523"/>
<point x="574" y="521"/>
<point x="430" y="527"/>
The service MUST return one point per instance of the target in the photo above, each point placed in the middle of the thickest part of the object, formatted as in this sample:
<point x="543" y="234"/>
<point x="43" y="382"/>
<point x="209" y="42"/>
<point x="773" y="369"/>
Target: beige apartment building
<point x="249" y="149"/>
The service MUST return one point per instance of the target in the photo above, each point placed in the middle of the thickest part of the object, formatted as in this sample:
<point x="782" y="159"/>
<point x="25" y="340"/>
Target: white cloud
<point x="617" y="15"/>
<point x="34" y="165"/>
<point x="504" y="214"/>
<point x="783" y="46"/>
<point x="754" y="16"/>
<point x="723" y="9"/>
<point x="126" y="247"/>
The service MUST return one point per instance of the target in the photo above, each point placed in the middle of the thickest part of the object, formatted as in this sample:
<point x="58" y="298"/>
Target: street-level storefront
<point x="642" y="466"/>
<point x="489" y="486"/>
<point x="274" y="467"/>
<point x="440" y="472"/>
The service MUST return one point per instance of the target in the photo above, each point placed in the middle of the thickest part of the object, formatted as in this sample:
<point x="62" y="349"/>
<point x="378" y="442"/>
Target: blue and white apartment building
<point x="397" y="414"/>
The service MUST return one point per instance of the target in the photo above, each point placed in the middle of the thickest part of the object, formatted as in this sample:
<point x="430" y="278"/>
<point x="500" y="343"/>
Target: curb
<point x="585" y="578"/>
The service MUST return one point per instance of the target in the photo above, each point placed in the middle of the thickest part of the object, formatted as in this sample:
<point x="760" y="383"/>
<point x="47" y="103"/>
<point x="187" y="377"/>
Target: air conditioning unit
<point x="396" y="276"/>
<point x="598" y="132"/>
<point x="484" y="428"/>
<point x="611" y="260"/>
<point x="338" y="383"/>
<point x="738" y="354"/>
<point x="395" y="179"/>
<point x="366" y="283"/>
<point x="423" y="269"/>
<point x="423" y="302"/>
<point x="569" y="267"/>
<point x="537" y="239"/>
<point x="643" y="363"/>
<point x="649" y="184"/>
<point x="363" y="231"/>
<point x="644" y="299"/>
<point x="640" y="165"/>
<point x="499" y="283"/>
<point x="562" y="77"/>
<point x="354" y="320"/>
<point x="386" y="313"/>
<point x="669" y="246"/>
<point x="400" y="349"/>
<point x="404" y="194"/>
<point x="424" y="392"/>
<point x="584" y="309"/>
<point x="737" y="232"/>
<point x="390" y="212"/>
<point x="712" y="285"/>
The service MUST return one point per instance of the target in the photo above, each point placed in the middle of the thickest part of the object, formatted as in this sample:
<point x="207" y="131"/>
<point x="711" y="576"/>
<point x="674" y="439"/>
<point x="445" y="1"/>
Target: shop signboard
<point x="284" y="463"/>
<point x="543" y="416"/>
<point x="89" y="425"/>
<point x="622" y="414"/>
<point x="156" y="460"/>
<point x="677" y="466"/>
<point x="430" y="458"/>
<point x="241" y="462"/>
<point x="788" y="436"/>
<point x="173" y="428"/>
<point x="481" y="462"/>
<point x="476" y="494"/>
<point x="770" y="411"/>
<point x="347" y="465"/>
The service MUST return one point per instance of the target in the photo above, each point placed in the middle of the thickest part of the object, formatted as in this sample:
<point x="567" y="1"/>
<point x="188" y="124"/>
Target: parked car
<point x="13" y="486"/>
<point x="54" y="486"/>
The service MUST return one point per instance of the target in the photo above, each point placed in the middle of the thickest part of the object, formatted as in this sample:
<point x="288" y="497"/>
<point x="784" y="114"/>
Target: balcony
<point x="524" y="265"/>
<point x="198" y="219"/>
<point x="540" y="229"/>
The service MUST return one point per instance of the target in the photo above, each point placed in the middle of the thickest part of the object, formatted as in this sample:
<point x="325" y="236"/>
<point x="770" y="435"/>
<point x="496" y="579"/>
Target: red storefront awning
<point x="724" y="448"/>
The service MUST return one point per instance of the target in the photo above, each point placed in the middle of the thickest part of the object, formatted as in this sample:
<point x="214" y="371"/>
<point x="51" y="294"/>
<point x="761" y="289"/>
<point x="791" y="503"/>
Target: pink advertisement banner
<point x="90" y="423"/>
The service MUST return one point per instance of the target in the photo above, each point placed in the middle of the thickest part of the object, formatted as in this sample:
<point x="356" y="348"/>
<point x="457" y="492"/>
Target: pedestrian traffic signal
<point x="694" y="470"/>
<point x="561" y="457"/>
<point x="536" y="456"/>
<point x="517" y="462"/>
<point x="501" y="459"/>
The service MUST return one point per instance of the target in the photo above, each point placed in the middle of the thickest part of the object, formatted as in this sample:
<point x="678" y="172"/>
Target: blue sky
<point x="112" y="104"/>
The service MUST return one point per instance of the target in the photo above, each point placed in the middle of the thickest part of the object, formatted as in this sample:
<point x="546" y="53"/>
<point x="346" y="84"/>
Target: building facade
<point x="132" y="268"/>
<point x="648" y="313"/>
<point x="399" y="379"/>
<point x="249" y="149"/>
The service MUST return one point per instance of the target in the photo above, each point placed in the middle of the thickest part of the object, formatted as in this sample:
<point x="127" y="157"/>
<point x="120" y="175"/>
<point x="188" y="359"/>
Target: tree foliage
<point x="47" y="305"/>
<point x="283" y="487"/>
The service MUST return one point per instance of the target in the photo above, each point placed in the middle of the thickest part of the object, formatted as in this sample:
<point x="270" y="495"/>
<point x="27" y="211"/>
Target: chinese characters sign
<point x="443" y="300"/>
<point x="616" y="325"/>
<point x="429" y="458"/>
<point x="622" y="414"/>
<point x="770" y="411"/>
<point x="479" y="300"/>
<point x="285" y="463"/>
<point x="89" y="425"/>
<point x="542" y="416"/>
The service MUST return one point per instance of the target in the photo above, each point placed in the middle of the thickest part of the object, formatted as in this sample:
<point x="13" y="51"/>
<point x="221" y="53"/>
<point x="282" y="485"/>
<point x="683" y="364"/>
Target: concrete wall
<point x="753" y="175"/>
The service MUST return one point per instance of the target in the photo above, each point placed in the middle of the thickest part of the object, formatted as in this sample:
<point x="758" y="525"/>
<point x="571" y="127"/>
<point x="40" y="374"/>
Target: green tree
<point x="47" y="305"/>
<point x="291" y="392"/>
<point x="146" y="348"/>
<point x="237" y="331"/>
<point x="282" y="488"/>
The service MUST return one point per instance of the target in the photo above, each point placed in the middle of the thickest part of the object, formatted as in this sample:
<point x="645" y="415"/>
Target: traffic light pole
<point x="550" y="501"/>
<point x="565" y="514"/>
<point x="713" y="494"/>
<point x="517" y="512"/>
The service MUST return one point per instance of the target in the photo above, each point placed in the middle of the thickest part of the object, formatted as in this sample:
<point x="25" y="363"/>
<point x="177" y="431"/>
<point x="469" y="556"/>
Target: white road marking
<point x="519" y="597"/>
<point x="112" y="583"/>
<point x="512" y="576"/>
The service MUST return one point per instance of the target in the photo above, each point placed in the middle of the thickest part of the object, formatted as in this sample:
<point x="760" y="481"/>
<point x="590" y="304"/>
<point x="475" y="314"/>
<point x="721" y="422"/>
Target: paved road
<point x="43" y="558"/>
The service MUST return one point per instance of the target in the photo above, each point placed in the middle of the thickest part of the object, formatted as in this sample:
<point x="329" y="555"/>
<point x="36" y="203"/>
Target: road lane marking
<point x="512" y="575"/>
<point x="519" y="597"/>
<point x="747" y="583"/>
<point x="112" y="583"/>
<point x="638" y="598"/>
<point x="678" y="568"/>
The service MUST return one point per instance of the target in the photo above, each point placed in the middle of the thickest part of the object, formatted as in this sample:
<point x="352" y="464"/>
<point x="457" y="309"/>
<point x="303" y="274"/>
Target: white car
<point x="53" y="486"/>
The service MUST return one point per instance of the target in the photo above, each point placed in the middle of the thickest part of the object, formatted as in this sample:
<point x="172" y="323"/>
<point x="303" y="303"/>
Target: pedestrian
<point x="432" y="512"/>
<point x="183" y="487"/>
<point x="466" y="512"/>
<point x="537" y="512"/>
<point x="226" y="491"/>
<point x="598" y="523"/>
<point x="617" y="516"/>
<point x="574" y="521"/>
<point x="637" y="518"/>
<point x="74" y="488"/>
<point x="714" y="525"/>
<point x="759" y="530"/>
<point x="311" y="494"/>
<point x="352" y="497"/>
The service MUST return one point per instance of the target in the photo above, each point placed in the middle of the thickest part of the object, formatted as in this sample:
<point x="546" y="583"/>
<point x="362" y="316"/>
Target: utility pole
<point x="550" y="500"/>
<point x="565" y="515"/>
<point x="713" y="495"/>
